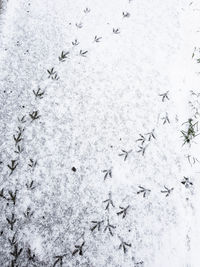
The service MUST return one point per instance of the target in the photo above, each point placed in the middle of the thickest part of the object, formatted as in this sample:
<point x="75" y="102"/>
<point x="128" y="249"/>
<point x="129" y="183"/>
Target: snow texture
<point x="97" y="99"/>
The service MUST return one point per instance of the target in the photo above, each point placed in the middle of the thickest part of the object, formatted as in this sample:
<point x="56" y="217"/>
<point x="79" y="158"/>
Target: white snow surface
<point x="98" y="107"/>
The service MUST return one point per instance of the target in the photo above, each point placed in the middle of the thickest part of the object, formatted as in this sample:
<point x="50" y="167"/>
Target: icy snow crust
<point x="104" y="96"/>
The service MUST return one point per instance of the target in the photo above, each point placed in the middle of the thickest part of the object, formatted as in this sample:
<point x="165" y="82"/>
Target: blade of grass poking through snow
<point x="191" y="131"/>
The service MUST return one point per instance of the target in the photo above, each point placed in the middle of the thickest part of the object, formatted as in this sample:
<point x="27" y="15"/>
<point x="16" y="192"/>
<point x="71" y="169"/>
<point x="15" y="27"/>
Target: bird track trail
<point x="91" y="78"/>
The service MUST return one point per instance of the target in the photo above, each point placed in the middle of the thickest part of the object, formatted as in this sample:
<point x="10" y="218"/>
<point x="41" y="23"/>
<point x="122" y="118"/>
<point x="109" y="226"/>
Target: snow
<point x="102" y="103"/>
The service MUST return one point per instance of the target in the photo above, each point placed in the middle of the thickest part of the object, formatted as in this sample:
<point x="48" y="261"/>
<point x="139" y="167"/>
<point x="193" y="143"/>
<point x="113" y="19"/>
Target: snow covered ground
<point x="99" y="145"/>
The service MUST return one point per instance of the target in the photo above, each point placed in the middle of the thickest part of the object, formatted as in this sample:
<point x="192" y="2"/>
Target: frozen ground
<point x="72" y="132"/>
